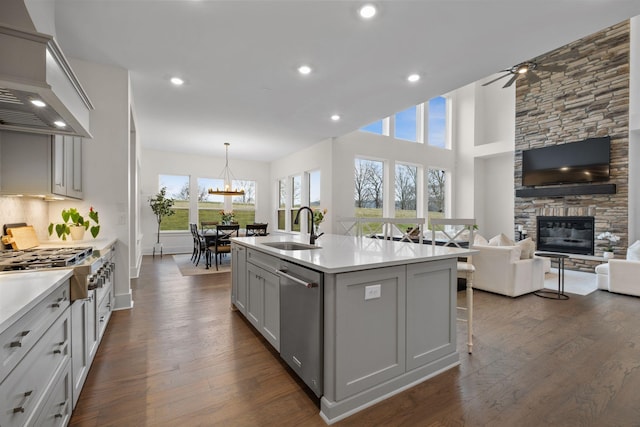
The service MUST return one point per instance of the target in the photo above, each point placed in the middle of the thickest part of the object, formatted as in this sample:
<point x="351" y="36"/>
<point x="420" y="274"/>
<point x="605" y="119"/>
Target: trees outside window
<point x="177" y="188"/>
<point x="244" y="206"/>
<point x="369" y="187"/>
<point x="436" y="187"/>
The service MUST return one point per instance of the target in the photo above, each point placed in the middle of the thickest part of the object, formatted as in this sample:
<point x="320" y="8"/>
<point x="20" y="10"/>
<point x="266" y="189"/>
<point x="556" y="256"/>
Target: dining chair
<point x="222" y="243"/>
<point x="256" y="229"/>
<point x="199" y="244"/>
<point x="459" y="233"/>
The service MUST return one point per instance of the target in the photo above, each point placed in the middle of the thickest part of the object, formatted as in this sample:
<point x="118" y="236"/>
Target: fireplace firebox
<point x="566" y="234"/>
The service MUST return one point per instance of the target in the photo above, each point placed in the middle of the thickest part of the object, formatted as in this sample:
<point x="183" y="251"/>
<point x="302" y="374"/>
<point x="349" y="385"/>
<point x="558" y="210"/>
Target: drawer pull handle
<point x="18" y="343"/>
<point x="21" y="408"/>
<point x="59" y="350"/>
<point x="62" y="405"/>
<point x="57" y="303"/>
<point x="102" y="318"/>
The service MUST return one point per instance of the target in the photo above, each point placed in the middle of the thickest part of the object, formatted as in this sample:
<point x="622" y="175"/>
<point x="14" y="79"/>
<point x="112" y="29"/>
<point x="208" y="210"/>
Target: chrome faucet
<point x="312" y="234"/>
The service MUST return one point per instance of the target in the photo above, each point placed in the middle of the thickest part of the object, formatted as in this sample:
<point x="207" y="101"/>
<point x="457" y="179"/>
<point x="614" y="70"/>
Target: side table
<point x="559" y="258"/>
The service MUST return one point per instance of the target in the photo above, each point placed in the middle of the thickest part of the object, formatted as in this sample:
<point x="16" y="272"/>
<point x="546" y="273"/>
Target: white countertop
<point x="98" y="245"/>
<point x="338" y="254"/>
<point x="21" y="291"/>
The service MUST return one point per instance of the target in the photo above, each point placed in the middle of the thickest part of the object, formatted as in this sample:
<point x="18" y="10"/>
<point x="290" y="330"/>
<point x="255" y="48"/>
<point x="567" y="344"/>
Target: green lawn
<point x="207" y="211"/>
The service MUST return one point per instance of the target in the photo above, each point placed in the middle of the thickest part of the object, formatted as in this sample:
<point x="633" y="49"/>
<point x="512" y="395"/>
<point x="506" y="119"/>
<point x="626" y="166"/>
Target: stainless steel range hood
<point x="32" y="68"/>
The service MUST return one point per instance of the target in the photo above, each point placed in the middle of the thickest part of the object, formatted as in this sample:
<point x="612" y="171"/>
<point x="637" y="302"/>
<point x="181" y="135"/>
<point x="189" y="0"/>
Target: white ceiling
<point x="239" y="60"/>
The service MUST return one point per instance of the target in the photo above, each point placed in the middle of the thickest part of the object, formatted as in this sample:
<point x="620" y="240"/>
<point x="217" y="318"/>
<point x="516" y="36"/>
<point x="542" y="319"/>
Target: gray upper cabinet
<point x="41" y="165"/>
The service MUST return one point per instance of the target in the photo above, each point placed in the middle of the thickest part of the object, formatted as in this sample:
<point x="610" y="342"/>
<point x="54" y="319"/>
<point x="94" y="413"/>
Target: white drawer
<point x="56" y="411"/>
<point x="24" y="391"/>
<point x="104" y="312"/>
<point x="16" y="341"/>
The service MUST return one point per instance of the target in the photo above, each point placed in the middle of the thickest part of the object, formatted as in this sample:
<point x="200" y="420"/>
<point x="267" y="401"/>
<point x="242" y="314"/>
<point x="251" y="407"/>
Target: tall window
<point x="437" y="124"/>
<point x="314" y="189"/>
<point x="369" y="186"/>
<point x="406" y="195"/>
<point x="209" y="205"/>
<point x="177" y="189"/>
<point x="437" y="188"/>
<point x="244" y="206"/>
<point x="296" y="199"/>
<point x="406" y="124"/>
<point x="282" y="203"/>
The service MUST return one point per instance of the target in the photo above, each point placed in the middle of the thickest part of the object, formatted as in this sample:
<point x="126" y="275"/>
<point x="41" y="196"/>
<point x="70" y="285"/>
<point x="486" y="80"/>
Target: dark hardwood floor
<point x="181" y="357"/>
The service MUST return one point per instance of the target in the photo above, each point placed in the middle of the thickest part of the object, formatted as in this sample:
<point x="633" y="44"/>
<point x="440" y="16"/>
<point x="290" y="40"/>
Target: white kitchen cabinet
<point x="263" y="295"/>
<point x="67" y="166"/>
<point x="239" y="277"/>
<point x="84" y="341"/>
<point x="33" y="164"/>
<point x="26" y="390"/>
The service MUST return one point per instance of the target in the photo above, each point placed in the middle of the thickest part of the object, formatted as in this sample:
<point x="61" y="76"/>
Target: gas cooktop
<point x="40" y="258"/>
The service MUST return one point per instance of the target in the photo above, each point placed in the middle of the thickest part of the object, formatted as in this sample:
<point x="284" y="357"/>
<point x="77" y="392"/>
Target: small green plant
<point x="161" y="207"/>
<point x="71" y="217"/>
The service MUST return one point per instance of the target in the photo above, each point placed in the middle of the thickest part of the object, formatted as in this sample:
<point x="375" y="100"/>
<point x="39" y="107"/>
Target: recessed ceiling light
<point x="60" y="123"/>
<point x="304" y="69"/>
<point x="335" y="117"/>
<point x="368" y="11"/>
<point x="413" y="78"/>
<point x="38" y="103"/>
<point x="177" y="81"/>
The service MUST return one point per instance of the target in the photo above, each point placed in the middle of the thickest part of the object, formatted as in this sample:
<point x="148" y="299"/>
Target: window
<point x="177" y="189"/>
<point x="406" y="195"/>
<point x="282" y="204"/>
<point x="296" y="200"/>
<point x="437" y="188"/>
<point x="406" y="124"/>
<point x="369" y="181"/>
<point x="375" y="127"/>
<point x="314" y="189"/>
<point x="244" y="206"/>
<point x="437" y="123"/>
<point x="209" y="205"/>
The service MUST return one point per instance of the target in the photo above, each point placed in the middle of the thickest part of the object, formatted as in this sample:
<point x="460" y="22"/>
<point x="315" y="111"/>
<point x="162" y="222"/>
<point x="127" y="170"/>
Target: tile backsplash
<point x="31" y="211"/>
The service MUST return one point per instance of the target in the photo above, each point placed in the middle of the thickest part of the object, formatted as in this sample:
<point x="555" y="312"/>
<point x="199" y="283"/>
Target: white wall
<point x="105" y="163"/>
<point x="155" y="163"/>
<point x="499" y="197"/>
<point x="317" y="157"/>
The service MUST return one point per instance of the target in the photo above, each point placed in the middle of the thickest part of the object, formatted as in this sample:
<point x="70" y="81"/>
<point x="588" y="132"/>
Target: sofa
<point x="503" y="269"/>
<point x="621" y="275"/>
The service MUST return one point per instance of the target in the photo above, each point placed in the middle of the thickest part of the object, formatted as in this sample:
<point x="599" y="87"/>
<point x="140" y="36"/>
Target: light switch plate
<point x="372" y="291"/>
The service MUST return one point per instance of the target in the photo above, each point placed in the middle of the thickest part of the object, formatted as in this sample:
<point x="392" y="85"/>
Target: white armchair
<point x="499" y="269"/>
<point x="621" y="275"/>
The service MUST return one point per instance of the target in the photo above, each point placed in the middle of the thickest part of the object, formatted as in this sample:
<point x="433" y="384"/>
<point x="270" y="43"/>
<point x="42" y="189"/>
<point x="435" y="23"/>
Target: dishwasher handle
<point x="283" y="273"/>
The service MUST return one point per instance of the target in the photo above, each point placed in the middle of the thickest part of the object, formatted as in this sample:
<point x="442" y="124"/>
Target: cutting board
<point x="21" y="238"/>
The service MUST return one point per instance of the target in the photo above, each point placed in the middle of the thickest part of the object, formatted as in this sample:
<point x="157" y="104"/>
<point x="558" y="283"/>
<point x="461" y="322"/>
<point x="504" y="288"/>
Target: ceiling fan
<point x="528" y="70"/>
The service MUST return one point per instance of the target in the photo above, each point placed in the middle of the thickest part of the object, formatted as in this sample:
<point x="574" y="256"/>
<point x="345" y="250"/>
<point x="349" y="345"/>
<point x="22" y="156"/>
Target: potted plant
<point x="74" y="224"/>
<point x="161" y="207"/>
<point x="612" y="239"/>
<point x="227" y="217"/>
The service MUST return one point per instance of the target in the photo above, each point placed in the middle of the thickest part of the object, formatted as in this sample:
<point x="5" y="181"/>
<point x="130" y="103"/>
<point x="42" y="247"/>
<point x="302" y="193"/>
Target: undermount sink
<point x="290" y="246"/>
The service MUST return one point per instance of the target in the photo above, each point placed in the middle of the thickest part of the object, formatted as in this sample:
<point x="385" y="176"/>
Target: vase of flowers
<point x="74" y="224"/>
<point x="318" y="217"/>
<point x="227" y="217"/>
<point x="611" y="239"/>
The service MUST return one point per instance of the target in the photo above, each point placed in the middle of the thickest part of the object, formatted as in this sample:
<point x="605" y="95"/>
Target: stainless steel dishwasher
<point x="301" y="322"/>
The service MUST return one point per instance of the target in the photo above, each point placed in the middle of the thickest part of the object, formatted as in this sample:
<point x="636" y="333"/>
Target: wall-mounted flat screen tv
<point x="573" y="162"/>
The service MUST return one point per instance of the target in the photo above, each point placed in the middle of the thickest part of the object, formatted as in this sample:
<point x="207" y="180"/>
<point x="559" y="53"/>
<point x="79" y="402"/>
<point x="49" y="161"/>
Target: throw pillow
<point x="515" y="253"/>
<point x="479" y="240"/>
<point x="633" y="252"/>
<point x="501" y="240"/>
<point x="528" y="248"/>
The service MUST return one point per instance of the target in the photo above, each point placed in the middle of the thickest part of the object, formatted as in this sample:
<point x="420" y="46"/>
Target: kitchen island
<point x="358" y="319"/>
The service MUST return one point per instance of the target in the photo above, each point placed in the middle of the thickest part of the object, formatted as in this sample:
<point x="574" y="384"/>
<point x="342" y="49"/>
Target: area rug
<point x="575" y="282"/>
<point x="187" y="268"/>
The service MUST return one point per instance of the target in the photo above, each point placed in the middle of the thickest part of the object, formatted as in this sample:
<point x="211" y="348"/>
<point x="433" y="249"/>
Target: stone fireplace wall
<point x="589" y="99"/>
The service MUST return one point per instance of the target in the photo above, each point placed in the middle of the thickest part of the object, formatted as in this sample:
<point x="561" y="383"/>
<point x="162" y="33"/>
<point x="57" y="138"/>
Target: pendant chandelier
<point x="228" y="178"/>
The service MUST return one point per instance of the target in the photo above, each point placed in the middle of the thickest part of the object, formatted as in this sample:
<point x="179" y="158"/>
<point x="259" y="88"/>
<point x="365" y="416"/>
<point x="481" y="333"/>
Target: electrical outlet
<point x="372" y="291"/>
